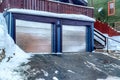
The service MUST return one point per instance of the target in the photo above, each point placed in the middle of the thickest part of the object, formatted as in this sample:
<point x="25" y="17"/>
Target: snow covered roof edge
<point x="50" y="14"/>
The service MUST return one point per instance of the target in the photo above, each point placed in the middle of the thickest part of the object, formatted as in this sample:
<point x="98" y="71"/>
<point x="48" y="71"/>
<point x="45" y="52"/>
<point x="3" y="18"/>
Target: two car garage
<point x="37" y="37"/>
<point x="48" y="32"/>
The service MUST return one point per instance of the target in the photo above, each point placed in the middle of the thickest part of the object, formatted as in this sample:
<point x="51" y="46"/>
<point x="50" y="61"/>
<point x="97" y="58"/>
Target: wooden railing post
<point x="45" y="5"/>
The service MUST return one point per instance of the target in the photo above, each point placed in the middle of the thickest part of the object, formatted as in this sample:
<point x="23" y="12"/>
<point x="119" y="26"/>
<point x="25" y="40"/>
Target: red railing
<point x="3" y="6"/>
<point x="105" y="28"/>
<point x="6" y="4"/>
<point x="44" y="5"/>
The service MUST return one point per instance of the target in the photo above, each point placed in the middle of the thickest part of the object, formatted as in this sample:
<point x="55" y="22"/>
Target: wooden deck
<point x="44" y="5"/>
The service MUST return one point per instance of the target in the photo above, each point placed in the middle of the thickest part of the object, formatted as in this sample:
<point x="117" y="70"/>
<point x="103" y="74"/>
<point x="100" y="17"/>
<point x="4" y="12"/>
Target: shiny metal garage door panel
<point x="33" y="37"/>
<point x="74" y="38"/>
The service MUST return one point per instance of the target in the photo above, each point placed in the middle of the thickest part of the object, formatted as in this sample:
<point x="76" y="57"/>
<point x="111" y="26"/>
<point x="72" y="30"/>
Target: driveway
<point x="69" y="66"/>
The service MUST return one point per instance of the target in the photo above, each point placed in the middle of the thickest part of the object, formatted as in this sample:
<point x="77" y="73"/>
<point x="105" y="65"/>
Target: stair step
<point x="98" y="45"/>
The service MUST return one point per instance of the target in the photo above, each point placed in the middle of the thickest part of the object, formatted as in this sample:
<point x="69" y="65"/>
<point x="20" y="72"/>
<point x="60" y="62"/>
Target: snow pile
<point x="8" y="68"/>
<point x="3" y="29"/>
<point x="6" y="41"/>
<point x="111" y="78"/>
<point x="1" y="38"/>
<point x="14" y="55"/>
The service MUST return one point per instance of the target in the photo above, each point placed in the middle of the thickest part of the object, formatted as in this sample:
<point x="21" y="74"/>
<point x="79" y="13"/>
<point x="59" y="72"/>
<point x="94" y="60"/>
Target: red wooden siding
<point x="105" y="28"/>
<point x="45" y="5"/>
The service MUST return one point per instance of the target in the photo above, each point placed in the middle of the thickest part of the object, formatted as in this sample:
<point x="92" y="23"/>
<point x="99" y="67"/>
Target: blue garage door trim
<point x="90" y="38"/>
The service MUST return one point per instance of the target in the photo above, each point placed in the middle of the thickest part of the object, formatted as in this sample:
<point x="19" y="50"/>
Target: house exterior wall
<point x="49" y="6"/>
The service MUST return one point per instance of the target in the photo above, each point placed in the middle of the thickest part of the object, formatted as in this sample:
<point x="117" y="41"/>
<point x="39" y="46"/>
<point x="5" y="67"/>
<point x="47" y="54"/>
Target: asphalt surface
<point x="68" y="66"/>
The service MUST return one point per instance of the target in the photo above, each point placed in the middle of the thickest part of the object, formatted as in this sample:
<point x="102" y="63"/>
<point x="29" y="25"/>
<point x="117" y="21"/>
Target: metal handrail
<point x="100" y="33"/>
<point x="99" y="37"/>
<point x="113" y="40"/>
<point x="106" y="39"/>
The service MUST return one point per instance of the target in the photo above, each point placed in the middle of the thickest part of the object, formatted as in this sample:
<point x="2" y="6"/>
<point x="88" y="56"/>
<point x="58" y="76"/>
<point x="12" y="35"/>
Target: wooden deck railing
<point x="105" y="28"/>
<point x="44" y="5"/>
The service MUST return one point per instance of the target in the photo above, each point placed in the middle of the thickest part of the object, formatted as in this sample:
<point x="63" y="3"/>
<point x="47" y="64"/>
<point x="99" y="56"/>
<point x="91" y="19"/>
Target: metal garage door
<point x="33" y="36"/>
<point x="74" y="38"/>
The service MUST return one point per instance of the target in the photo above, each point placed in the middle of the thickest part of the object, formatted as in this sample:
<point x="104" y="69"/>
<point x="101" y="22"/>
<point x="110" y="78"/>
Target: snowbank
<point x="2" y="38"/>
<point x="3" y="29"/>
<point x="6" y="41"/>
<point x="12" y="61"/>
<point x="7" y="69"/>
<point x="14" y="55"/>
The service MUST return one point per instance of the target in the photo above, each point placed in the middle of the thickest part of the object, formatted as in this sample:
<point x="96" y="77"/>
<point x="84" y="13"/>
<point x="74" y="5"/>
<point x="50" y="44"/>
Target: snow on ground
<point x="55" y="78"/>
<point x="113" y="43"/>
<point x="2" y="37"/>
<point x="8" y="67"/>
<point x="40" y="79"/>
<point x="71" y="71"/>
<point x="111" y="78"/>
<point x="14" y="55"/>
<point x="56" y="72"/>
<point x="45" y="72"/>
<point x="3" y="29"/>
